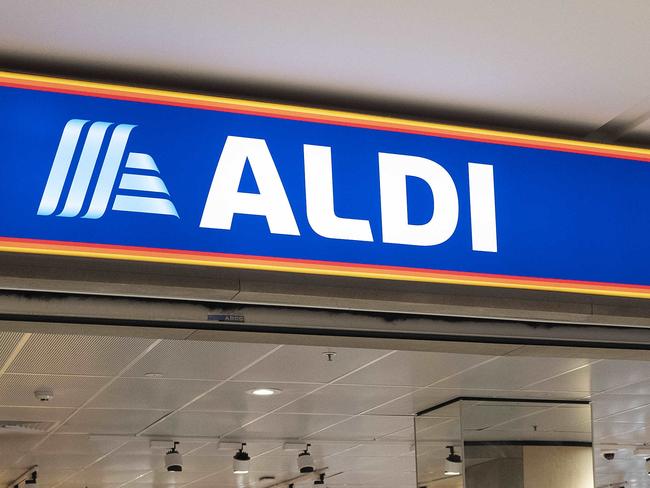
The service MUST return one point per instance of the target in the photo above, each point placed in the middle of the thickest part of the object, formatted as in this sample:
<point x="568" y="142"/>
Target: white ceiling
<point x="356" y="410"/>
<point x="556" y="66"/>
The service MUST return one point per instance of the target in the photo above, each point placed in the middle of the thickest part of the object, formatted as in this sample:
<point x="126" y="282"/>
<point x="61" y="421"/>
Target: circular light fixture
<point x="453" y="463"/>
<point x="241" y="461"/>
<point x="264" y="391"/>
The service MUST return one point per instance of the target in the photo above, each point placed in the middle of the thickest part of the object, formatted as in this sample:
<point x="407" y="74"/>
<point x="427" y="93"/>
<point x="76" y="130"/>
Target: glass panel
<point x="435" y="433"/>
<point x="518" y="444"/>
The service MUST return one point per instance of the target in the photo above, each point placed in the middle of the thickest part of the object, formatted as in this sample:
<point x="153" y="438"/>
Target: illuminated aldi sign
<point x="115" y="172"/>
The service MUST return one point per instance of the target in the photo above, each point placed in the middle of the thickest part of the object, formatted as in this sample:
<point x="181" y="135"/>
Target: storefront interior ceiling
<point x="113" y="394"/>
<point x="576" y="68"/>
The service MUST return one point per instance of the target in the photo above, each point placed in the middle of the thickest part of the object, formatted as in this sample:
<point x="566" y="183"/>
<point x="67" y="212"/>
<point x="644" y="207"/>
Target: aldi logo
<point x="150" y="193"/>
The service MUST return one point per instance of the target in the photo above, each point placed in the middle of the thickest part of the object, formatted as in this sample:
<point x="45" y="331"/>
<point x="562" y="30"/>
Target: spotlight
<point x="453" y="463"/>
<point x="264" y="391"/>
<point x="174" y="459"/>
<point x="241" y="461"/>
<point x="647" y="466"/>
<point x="305" y="461"/>
<point x="320" y="482"/>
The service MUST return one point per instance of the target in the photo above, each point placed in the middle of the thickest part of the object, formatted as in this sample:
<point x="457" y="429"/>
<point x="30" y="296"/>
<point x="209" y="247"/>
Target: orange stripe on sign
<point x="317" y="267"/>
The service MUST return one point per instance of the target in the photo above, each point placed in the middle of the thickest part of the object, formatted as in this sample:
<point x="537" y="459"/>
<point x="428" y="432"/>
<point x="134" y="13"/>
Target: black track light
<point x="33" y="480"/>
<point x="453" y="463"/>
<point x="306" y="461"/>
<point x="241" y="461"/>
<point x="174" y="459"/>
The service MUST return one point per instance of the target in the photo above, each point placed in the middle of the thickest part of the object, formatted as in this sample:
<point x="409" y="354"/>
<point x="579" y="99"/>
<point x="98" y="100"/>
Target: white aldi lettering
<point x="225" y="200"/>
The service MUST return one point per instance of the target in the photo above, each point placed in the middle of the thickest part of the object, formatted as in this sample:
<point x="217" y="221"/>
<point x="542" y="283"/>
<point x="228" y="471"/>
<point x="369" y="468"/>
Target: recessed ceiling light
<point x="264" y="391"/>
<point x="153" y="375"/>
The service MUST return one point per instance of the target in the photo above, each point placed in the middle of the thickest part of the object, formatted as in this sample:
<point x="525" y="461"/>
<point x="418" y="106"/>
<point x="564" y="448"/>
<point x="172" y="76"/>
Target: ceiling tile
<point x="425" y="398"/>
<point x="642" y="388"/>
<point x="482" y="416"/>
<point x="562" y="419"/>
<point x="8" y="341"/>
<point x="404" y="435"/>
<point x="170" y="479"/>
<point x="603" y="430"/>
<point x="15" y="446"/>
<point x="200" y="424"/>
<point x="638" y="415"/>
<point x="198" y="359"/>
<point x="142" y="445"/>
<point x="221" y="479"/>
<point x="69" y="391"/>
<point x="605" y="405"/>
<point x="80" y="444"/>
<point x="77" y="354"/>
<point x="407" y="368"/>
<point x="379" y="449"/>
<point x="143" y="393"/>
<point x="415" y="402"/>
<point x="597" y="377"/>
<point x="371" y="464"/>
<point x="510" y="373"/>
<point x="111" y="421"/>
<point x="280" y="462"/>
<point x="364" y="427"/>
<point x="308" y="364"/>
<point x="35" y="414"/>
<point x="100" y="477"/>
<point x="232" y="397"/>
<point x="343" y="399"/>
<point x="287" y="426"/>
<point x="623" y="433"/>
<point x="446" y="431"/>
<point x="48" y="462"/>
<point x="119" y="461"/>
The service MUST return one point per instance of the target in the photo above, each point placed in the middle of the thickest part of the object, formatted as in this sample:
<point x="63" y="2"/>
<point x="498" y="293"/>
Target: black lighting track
<point x="500" y="400"/>
<point x="529" y="443"/>
<point x="312" y="331"/>
<point x="456" y="329"/>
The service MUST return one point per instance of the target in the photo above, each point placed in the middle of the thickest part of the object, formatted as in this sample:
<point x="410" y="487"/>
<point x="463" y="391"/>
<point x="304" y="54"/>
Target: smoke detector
<point x="44" y="394"/>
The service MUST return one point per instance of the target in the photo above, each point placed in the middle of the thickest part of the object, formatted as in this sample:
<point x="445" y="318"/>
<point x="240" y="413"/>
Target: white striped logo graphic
<point x="145" y="179"/>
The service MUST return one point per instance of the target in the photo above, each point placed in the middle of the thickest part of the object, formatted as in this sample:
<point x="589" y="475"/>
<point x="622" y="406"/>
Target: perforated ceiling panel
<point x="76" y="354"/>
<point x="8" y="340"/>
<point x="111" y="394"/>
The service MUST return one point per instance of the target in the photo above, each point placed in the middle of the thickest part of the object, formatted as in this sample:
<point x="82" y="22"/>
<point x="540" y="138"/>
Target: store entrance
<point x="92" y="398"/>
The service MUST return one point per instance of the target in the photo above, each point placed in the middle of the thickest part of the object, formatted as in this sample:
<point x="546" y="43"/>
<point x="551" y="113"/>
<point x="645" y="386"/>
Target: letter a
<point x="224" y="200"/>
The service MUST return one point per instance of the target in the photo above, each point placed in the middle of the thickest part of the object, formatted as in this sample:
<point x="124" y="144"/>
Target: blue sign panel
<point x="114" y="172"/>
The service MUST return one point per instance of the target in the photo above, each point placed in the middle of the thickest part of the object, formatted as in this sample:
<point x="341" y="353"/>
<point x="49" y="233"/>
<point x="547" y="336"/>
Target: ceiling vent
<point x="24" y="427"/>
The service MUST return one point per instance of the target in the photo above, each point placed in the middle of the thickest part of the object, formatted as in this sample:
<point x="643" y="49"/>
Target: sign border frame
<point x="323" y="116"/>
